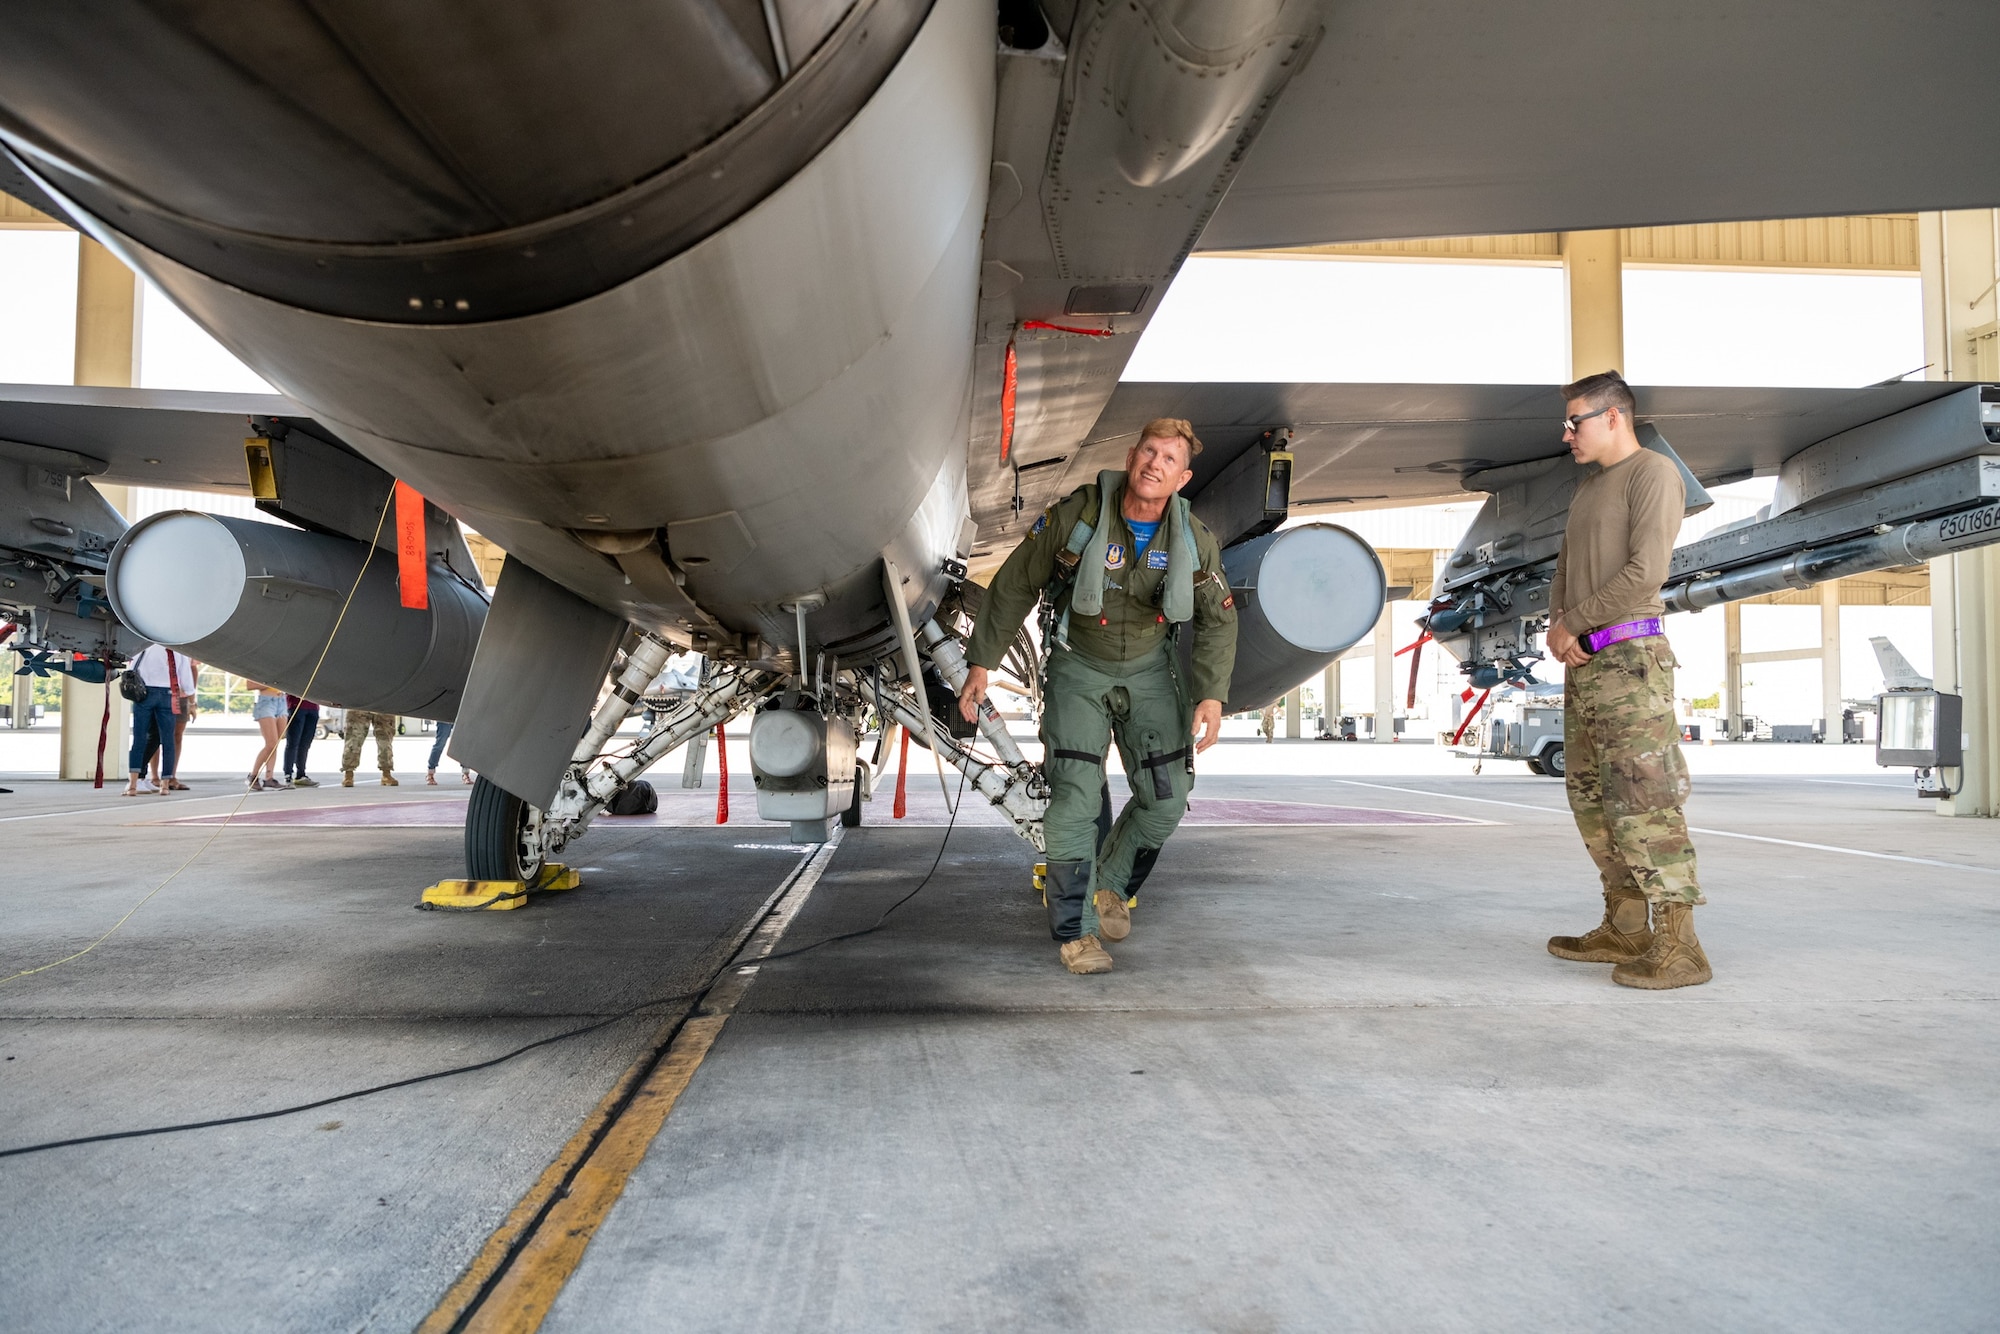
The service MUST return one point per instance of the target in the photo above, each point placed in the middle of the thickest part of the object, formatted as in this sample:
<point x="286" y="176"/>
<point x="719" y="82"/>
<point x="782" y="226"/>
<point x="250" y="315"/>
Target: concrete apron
<point x="1334" y="1082"/>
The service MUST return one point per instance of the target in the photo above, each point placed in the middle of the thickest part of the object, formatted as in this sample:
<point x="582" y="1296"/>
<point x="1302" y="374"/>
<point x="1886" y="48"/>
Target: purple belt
<point x="1599" y="640"/>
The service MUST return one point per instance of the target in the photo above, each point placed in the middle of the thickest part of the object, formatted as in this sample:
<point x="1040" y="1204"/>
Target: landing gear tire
<point x="1553" y="763"/>
<point x="1535" y="766"/>
<point x="502" y="835"/>
<point x="851" y="817"/>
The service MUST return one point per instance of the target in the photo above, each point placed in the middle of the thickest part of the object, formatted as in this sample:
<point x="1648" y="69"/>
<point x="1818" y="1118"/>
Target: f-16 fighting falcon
<point x="766" y="329"/>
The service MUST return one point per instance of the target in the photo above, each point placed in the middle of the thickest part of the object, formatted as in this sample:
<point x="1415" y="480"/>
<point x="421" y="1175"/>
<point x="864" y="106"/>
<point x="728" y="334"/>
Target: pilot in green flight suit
<point x="1124" y="562"/>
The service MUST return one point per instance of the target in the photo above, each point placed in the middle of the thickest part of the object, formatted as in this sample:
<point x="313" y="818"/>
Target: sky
<point x="1362" y="321"/>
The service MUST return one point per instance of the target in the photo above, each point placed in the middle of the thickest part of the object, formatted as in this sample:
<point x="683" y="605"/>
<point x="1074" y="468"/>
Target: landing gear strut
<point x="507" y="838"/>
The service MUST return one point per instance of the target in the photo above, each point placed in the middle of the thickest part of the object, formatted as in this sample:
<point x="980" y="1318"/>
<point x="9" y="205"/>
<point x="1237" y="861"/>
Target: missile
<point x="1303" y="596"/>
<point x="313" y="615"/>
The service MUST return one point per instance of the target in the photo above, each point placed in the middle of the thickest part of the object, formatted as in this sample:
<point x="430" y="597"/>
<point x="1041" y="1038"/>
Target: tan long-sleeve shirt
<point x="1619" y="543"/>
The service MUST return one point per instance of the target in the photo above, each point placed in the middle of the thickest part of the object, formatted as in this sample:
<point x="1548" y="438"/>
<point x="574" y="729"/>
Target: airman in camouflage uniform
<point x="1626" y="777"/>
<point x="1115" y="671"/>
<point x="354" y="730"/>
<point x="1624" y="771"/>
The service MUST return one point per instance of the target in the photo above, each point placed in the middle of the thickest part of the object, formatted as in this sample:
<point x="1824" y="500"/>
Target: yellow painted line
<point x="575" y="1194"/>
<point x="523" y="1215"/>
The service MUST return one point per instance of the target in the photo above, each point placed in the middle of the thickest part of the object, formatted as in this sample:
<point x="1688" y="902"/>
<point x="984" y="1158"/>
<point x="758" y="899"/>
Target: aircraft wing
<point x="139" y="437"/>
<point x="1455" y="117"/>
<point x="1362" y="445"/>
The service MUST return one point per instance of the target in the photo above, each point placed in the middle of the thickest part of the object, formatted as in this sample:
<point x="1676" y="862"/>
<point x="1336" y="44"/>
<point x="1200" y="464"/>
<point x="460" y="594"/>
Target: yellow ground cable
<point x="210" y="840"/>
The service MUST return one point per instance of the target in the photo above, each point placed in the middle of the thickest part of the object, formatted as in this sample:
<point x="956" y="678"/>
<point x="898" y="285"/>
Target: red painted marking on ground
<point x="691" y="809"/>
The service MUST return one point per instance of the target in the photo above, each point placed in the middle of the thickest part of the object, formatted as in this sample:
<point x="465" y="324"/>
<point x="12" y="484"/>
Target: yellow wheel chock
<point x="497" y="895"/>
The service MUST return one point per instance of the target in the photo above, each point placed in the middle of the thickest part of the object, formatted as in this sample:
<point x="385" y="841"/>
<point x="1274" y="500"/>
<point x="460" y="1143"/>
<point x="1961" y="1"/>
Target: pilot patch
<point x="1114" y="556"/>
<point x="1040" y="524"/>
<point x="1229" y="603"/>
<point x="1156" y="560"/>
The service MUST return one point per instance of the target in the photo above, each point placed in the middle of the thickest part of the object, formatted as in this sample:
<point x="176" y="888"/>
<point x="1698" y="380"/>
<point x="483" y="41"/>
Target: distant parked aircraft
<point x="1897" y="674"/>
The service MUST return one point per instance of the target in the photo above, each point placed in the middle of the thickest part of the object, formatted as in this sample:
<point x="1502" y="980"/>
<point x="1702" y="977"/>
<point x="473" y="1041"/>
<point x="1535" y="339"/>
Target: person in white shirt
<point x="190" y="673"/>
<point x="169" y="681"/>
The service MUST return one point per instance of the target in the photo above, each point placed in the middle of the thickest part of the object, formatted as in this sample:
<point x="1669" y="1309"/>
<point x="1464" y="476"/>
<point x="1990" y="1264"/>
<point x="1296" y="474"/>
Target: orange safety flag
<point x="1009" y="380"/>
<point x="412" y="570"/>
<point x="902" y="806"/>
<point x="722" y="792"/>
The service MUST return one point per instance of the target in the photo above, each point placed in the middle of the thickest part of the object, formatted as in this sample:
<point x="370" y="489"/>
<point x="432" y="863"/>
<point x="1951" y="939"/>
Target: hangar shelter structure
<point x="1956" y="253"/>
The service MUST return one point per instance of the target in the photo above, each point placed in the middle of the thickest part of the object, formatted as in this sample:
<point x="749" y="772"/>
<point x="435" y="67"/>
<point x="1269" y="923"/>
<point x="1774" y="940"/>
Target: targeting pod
<point x="263" y="601"/>
<point x="1303" y="596"/>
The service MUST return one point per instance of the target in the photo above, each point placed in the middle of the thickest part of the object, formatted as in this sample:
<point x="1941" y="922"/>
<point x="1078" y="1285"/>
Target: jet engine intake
<point x="273" y="604"/>
<point x="1303" y="596"/>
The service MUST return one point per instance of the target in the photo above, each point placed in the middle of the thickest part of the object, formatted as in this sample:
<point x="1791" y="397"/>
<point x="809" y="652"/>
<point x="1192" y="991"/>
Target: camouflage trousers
<point x="359" y="723"/>
<point x="1626" y="777"/>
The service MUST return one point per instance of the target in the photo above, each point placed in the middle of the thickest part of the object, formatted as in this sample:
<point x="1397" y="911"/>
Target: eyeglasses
<point x="1571" y="423"/>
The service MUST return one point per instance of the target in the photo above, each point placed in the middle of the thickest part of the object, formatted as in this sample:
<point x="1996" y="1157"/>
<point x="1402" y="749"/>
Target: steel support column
<point x="1960" y="253"/>
<point x="1732" y="680"/>
<point x="1385" y="676"/>
<point x="1829" y="661"/>
<point x="1593" y="270"/>
<point x="107" y="353"/>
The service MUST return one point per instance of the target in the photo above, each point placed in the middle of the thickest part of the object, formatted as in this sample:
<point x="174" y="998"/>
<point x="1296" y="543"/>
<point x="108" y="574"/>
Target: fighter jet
<point x="751" y="328"/>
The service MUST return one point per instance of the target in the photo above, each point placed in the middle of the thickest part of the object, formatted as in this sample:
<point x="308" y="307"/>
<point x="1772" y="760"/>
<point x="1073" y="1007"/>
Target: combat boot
<point x="1620" y="938"/>
<point x="1085" y="956"/>
<point x="1114" y="919"/>
<point x="347" y="778"/>
<point x="1675" y="959"/>
<point x="389" y="779"/>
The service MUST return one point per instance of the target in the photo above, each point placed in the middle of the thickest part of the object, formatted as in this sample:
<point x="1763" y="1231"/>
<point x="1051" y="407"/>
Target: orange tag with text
<point x="412" y="570"/>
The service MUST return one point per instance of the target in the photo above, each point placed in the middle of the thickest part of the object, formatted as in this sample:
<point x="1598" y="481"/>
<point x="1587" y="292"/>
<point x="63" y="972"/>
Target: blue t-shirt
<point x="1142" y="534"/>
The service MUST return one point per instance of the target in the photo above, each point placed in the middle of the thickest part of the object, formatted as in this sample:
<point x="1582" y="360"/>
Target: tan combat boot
<point x="1085" y="956"/>
<point x="347" y="778"/>
<point x="1620" y="938"/>
<point x="1675" y="959"/>
<point x="1114" y="919"/>
<point x="389" y="779"/>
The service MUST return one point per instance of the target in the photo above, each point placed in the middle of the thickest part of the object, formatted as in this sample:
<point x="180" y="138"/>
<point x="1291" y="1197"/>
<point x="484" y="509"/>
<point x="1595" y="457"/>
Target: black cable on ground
<point x="504" y="1057"/>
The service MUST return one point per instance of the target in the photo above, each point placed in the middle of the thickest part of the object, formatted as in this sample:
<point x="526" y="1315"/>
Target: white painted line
<point x="122" y="810"/>
<point x="1712" y="833"/>
<point x="1453" y="796"/>
<point x="1852" y="852"/>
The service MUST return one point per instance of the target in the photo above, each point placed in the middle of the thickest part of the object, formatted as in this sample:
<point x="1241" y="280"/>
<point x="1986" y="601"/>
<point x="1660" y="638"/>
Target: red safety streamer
<point x="722" y="792"/>
<point x="1008" y="382"/>
<point x="1067" y="328"/>
<point x="902" y="806"/>
<point x="411" y="569"/>
<point x="1473" y="713"/>
<point x="103" y="728"/>
<point x="1416" y="656"/>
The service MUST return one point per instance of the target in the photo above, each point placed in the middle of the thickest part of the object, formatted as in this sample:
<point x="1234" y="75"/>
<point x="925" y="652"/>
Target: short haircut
<point x="1167" y="428"/>
<point x="1606" y="389"/>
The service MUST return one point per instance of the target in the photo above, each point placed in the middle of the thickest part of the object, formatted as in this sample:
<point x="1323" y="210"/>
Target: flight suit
<point x="1116" y="674"/>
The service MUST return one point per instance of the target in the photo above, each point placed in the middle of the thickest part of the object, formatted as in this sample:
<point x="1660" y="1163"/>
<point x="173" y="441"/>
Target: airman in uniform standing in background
<point x="1626" y="777"/>
<point x="1122" y="563"/>
<point x="357" y="726"/>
